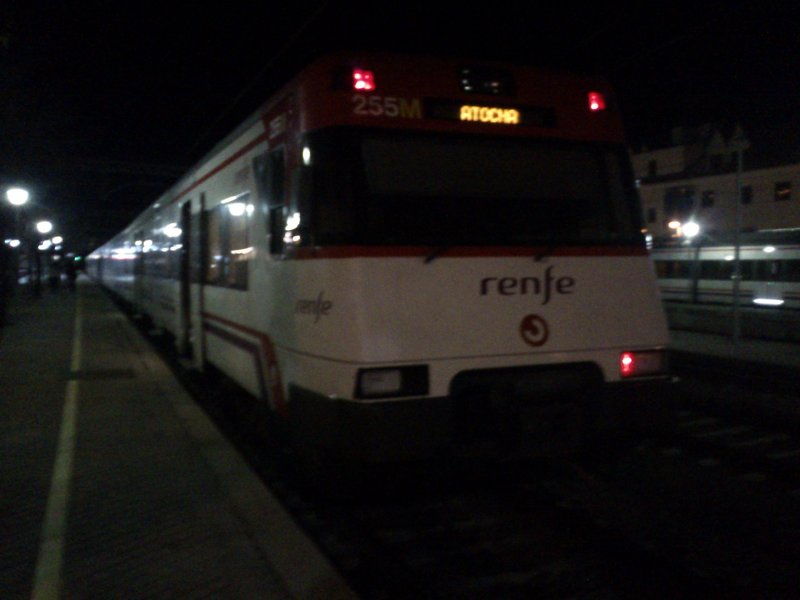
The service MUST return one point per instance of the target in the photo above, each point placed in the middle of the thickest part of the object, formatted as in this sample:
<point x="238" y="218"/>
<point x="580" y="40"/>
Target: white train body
<point x="368" y="340"/>
<point x="703" y="272"/>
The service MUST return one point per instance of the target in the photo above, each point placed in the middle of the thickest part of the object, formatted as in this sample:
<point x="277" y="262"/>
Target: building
<point x="695" y="180"/>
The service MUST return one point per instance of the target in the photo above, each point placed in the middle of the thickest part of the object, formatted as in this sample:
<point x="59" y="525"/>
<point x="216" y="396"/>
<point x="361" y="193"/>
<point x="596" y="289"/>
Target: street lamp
<point x="691" y="229"/>
<point x="17" y="196"/>
<point x="44" y="227"/>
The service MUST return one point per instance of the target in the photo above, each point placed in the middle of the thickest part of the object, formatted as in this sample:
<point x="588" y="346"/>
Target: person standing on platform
<point x="6" y="276"/>
<point x="71" y="273"/>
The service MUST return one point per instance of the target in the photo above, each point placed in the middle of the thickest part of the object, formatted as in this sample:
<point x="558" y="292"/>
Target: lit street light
<point x="44" y="227"/>
<point x="691" y="229"/>
<point x="17" y="196"/>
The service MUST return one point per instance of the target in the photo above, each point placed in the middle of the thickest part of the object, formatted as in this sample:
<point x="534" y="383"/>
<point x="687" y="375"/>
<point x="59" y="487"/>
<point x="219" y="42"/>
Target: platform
<point x="114" y="484"/>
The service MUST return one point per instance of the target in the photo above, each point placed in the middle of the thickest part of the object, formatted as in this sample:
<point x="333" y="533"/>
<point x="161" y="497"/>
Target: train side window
<point x="774" y="270"/>
<point x="680" y="269"/>
<point x="238" y="251"/>
<point x="276" y="201"/>
<point x="745" y="270"/>
<point x="749" y="270"/>
<point x="662" y="269"/>
<point x="227" y="246"/>
<point x="708" y="269"/>
<point x="271" y="178"/>
<point x="215" y="258"/>
<point x="792" y="270"/>
<point x="726" y="268"/>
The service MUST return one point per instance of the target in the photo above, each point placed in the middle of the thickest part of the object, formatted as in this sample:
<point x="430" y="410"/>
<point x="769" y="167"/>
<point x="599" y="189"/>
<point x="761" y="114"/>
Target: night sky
<point x="104" y="104"/>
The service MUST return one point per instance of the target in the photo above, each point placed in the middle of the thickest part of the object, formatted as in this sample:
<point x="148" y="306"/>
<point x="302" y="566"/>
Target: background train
<point x="702" y="270"/>
<point x="408" y="256"/>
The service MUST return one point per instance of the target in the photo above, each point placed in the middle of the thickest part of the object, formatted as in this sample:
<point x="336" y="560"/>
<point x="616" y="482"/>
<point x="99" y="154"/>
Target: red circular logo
<point x="533" y="330"/>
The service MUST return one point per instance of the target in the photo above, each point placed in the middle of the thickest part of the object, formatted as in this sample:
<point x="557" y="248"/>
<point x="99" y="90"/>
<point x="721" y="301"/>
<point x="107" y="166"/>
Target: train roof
<point x="750" y="238"/>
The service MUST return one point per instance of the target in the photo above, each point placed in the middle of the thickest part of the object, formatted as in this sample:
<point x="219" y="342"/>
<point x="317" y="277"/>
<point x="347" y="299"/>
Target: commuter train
<point x="702" y="271"/>
<point x="406" y="256"/>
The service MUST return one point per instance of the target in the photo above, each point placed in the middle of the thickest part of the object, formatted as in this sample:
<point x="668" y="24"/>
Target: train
<point x="702" y="271"/>
<point x="402" y="257"/>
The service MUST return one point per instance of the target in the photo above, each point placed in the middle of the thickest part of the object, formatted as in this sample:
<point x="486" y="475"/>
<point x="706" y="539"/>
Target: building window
<point x="652" y="168"/>
<point x="783" y="191"/>
<point x="747" y="194"/>
<point x="651" y="215"/>
<point x="678" y="202"/>
<point x="707" y="200"/>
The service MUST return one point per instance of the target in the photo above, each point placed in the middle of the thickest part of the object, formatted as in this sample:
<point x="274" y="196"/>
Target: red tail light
<point x="363" y="80"/>
<point x="647" y="363"/>
<point x="596" y="102"/>
<point x="627" y="364"/>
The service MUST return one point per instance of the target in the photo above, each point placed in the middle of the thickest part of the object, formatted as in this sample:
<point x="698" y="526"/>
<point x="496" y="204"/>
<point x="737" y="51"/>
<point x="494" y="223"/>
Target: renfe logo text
<point x="542" y="286"/>
<point x="318" y="308"/>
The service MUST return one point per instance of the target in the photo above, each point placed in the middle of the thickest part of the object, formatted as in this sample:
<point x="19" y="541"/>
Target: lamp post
<point x="43" y="228"/>
<point x="17" y="197"/>
<point x="739" y="143"/>
<point x="691" y="231"/>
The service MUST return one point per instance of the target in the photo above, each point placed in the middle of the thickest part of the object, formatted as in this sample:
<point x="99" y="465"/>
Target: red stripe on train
<point x="462" y="251"/>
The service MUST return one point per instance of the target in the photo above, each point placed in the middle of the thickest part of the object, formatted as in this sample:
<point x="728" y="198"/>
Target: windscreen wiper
<point x="436" y="253"/>
<point x="545" y="252"/>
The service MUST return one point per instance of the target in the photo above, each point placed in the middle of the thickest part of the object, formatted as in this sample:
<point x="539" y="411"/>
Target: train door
<point x="185" y="336"/>
<point x="138" y="276"/>
<point x="197" y="256"/>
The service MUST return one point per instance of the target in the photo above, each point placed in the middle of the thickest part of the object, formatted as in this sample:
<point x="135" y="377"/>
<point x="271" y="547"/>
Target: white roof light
<point x="172" y="230"/>
<point x="768" y="301"/>
<point x="237" y="209"/>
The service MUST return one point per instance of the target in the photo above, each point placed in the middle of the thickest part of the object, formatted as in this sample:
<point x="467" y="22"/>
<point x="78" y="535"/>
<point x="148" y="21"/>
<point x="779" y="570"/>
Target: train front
<point x="470" y="271"/>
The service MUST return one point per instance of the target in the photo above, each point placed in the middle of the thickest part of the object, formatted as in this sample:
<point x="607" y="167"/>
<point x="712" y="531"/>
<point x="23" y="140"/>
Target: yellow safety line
<point x="47" y="581"/>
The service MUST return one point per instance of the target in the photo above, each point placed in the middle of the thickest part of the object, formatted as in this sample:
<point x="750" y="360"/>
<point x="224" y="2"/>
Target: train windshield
<point x="422" y="189"/>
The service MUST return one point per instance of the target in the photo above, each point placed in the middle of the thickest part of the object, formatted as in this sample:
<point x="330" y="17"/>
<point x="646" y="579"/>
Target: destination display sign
<point x="489" y="114"/>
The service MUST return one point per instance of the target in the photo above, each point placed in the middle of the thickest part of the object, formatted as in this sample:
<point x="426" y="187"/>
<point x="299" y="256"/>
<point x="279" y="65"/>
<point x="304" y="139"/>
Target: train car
<point x="702" y="271"/>
<point x="403" y="256"/>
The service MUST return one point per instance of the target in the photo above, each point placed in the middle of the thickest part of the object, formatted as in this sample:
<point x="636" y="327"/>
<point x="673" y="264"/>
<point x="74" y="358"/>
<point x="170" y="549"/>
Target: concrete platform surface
<point x="114" y="484"/>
